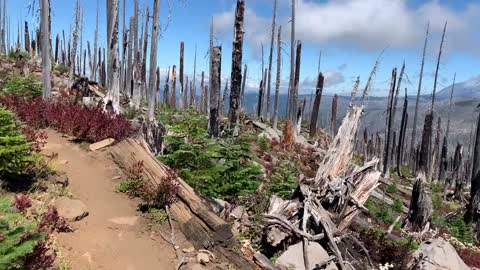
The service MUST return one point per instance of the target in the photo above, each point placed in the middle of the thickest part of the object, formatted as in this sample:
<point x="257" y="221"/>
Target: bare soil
<point x="113" y="235"/>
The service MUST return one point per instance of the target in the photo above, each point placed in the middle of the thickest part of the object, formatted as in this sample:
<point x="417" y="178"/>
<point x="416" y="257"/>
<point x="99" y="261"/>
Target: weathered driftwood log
<point x="199" y="224"/>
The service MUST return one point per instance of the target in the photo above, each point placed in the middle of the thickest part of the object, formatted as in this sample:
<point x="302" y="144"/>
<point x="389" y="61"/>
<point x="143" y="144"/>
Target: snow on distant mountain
<point x="465" y="90"/>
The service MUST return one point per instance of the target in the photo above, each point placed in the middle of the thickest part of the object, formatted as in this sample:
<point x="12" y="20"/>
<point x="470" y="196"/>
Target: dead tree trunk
<point x="290" y="102"/>
<point x="397" y="93"/>
<point x="215" y="74"/>
<point x="204" y="94"/>
<point x="415" y="116"/>
<point x="46" y="61"/>
<point x="173" y="96"/>
<point x="403" y="130"/>
<point x="71" y="75"/>
<point x="129" y="67"/>
<point x="473" y="208"/>
<point x="146" y="86"/>
<point x="316" y="105"/>
<point x="436" y="151"/>
<point x="152" y="132"/>
<point x="236" y="74"/>
<point x="203" y="228"/>
<point x="388" y="132"/>
<point x="438" y="65"/>
<point x="182" y="47"/>
<point x="444" y="154"/>
<point x="166" y="92"/>
<point x="270" y="58"/>
<point x="27" y="38"/>
<point x="242" y="93"/>
<point x="296" y="82"/>
<point x="333" y="120"/>
<point x="277" y="82"/>
<point x="425" y="146"/>
<point x="260" y="98"/>
<point x="420" y="211"/>
<point x="113" y="94"/>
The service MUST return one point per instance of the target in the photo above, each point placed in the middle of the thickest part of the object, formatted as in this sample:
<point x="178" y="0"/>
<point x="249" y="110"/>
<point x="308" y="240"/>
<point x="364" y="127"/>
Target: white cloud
<point x="368" y="24"/>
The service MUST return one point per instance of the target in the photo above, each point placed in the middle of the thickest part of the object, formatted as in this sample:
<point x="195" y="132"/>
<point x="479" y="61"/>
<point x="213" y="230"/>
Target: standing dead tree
<point x="444" y="154"/>
<point x="438" y="65"/>
<point x="173" y="95"/>
<point x="388" y="133"/>
<point x="152" y="132"/>
<point x="71" y="74"/>
<point x="403" y="130"/>
<point x="290" y="102"/>
<point x="333" y="120"/>
<point x="46" y="61"/>
<point x="277" y="82"/>
<point x="244" y="83"/>
<point x="216" y="63"/>
<point x="270" y="58"/>
<point x="236" y="74"/>
<point x="113" y="94"/>
<point x="415" y="116"/>
<point x="473" y="208"/>
<point x="296" y="82"/>
<point x="316" y="105"/>
<point x="181" y="85"/>
<point x="260" y="99"/>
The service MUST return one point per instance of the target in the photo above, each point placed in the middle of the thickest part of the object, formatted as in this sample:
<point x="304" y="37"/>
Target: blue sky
<point x="350" y="33"/>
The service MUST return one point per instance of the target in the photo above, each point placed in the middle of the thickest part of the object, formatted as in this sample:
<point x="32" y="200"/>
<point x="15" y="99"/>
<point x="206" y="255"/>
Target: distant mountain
<point x="466" y="90"/>
<point x="466" y="98"/>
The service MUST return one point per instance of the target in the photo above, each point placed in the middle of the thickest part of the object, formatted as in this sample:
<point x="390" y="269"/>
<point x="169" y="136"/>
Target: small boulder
<point x="102" y="144"/>
<point x="293" y="257"/>
<point x="188" y="250"/>
<point x="70" y="209"/>
<point x="438" y="254"/>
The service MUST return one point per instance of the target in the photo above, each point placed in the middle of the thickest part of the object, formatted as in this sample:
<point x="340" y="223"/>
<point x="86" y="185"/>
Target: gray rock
<point x="438" y="254"/>
<point x="70" y="209"/>
<point x="102" y="144"/>
<point x="293" y="257"/>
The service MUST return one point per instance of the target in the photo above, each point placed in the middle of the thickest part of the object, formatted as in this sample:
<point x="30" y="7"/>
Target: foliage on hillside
<point x="221" y="168"/>
<point x="25" y="86"/>
<point x="84" y="123"/>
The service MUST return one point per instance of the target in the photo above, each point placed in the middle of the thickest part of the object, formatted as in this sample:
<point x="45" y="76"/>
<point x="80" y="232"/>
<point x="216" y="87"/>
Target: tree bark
<point x="244" y="83"/>
<point x="420" y="211"/>
<point x="290" y="102"/>
<point x="425" y="146"/>
<point x="236" y="74"/>
<point x="173" y="96"/>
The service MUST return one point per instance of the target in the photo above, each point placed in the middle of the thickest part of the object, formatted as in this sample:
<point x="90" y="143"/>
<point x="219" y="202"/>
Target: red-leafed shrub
<point x="22" y="202"/>
<point x="84" y="123"/>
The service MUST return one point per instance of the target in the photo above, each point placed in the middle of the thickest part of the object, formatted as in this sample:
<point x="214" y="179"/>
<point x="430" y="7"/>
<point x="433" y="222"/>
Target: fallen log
<point x="198" y="223"/>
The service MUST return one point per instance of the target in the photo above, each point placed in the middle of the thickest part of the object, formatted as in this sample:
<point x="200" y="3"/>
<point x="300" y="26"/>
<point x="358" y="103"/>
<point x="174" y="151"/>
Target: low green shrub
<point x="18" y="237"/>
<point x="284" y="179"/>
<point x="15" y="151"/>
<point x="61" y="69"/>
<point x="24" y="86"/>
<point x="460" y="230"/>
<point x="392" y="188"/>
<point x="220" y="168"/>
<point x="18" y="54"/>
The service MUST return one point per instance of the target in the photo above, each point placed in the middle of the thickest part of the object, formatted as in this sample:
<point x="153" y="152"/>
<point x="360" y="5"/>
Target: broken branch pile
<point x="322" y="208"/>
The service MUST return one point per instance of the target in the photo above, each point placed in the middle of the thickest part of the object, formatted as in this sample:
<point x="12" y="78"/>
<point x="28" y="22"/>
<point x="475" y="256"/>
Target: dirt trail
<point x="112" y="236"/>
